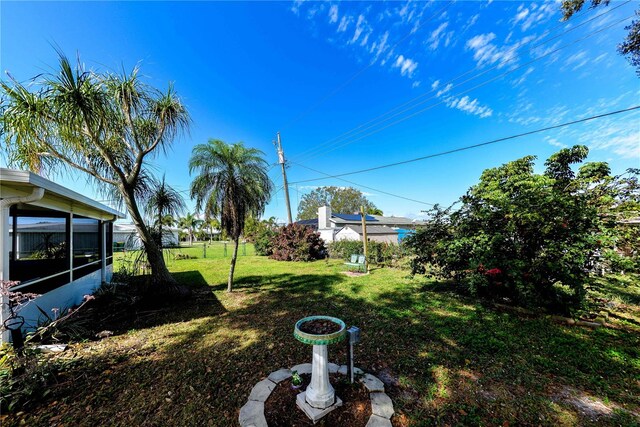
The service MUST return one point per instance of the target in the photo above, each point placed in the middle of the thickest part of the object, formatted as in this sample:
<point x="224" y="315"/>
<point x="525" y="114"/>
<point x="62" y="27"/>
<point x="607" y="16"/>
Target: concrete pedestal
<point x="315" y="414"/>
<point x="320" y="393"/>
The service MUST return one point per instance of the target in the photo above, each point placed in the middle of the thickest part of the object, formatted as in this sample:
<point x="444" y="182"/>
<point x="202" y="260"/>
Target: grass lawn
<point x="447" y="360"/>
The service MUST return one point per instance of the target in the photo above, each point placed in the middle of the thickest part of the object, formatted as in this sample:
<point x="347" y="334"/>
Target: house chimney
<point x="324" y="217"/>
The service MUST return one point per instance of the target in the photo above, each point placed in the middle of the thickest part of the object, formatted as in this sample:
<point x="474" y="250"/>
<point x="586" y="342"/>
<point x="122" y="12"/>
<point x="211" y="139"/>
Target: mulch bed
<point x="280" y="409"/>
<point x="319" y="327"/>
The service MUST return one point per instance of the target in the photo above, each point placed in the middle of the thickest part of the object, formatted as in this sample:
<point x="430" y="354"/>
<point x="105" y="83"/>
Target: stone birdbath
<point x="319" y="399"/>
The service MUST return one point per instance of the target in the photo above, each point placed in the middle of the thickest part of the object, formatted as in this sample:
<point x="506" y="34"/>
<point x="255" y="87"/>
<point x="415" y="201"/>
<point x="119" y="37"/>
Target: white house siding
<point x="127" y="234"/>
<point x="327" y="234"/>
<point x="347" y="234"/>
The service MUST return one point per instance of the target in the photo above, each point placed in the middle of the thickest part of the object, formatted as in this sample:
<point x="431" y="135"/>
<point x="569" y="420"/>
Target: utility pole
<point x="284" y="178"/>
<point x="364" y="235"/>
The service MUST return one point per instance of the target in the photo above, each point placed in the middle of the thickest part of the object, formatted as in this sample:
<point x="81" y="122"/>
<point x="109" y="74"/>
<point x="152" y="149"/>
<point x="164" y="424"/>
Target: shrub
<point x="263" y="241"/>
<point x="380" y="253"/>
<point x="619" y="263"/>
<point x="295" y="242"/>
<point x="524" y="236"/>
<point x="343" y="249"/>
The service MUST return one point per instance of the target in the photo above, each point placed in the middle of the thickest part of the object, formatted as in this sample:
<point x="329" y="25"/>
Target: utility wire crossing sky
<point x="360" y="86"/>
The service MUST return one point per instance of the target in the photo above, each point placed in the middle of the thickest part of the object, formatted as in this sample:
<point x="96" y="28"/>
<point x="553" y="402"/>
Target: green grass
<point x="450" y="359"/>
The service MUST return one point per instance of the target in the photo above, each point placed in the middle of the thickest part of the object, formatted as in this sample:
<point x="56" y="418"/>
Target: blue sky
<point x="359" y="84"/>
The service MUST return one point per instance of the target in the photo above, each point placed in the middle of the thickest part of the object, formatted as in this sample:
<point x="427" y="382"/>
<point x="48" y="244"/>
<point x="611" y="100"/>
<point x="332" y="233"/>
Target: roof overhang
<point x="18" y="183"/>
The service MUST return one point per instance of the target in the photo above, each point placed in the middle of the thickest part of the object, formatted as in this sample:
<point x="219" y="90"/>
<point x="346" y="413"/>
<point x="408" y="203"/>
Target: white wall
<point x="327" y="234"/>
<point x="347" y="234"/>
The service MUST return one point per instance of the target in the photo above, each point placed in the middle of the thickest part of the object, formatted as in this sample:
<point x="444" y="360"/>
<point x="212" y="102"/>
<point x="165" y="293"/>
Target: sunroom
<point x="56" y="242"/>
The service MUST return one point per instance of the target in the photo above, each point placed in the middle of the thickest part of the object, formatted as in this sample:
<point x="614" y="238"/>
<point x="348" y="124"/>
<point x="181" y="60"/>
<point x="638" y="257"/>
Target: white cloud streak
<point x="333" y="14"/>
<point x="407" y="66"/>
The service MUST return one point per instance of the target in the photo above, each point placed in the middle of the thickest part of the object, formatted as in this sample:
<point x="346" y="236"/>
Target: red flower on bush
<point x="493" y="272"/>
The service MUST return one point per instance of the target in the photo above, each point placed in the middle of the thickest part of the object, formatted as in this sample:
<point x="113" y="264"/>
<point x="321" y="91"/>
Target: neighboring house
<point x="126" y="236"/>
<point x="379" y="228"/>
<point x="57" y="243"/>
<point x="375" y="233"/>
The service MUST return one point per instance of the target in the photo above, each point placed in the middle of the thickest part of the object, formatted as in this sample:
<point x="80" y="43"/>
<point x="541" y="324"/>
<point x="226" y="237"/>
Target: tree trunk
<point x="161" y="279"/>
<point x="233" y="264"/>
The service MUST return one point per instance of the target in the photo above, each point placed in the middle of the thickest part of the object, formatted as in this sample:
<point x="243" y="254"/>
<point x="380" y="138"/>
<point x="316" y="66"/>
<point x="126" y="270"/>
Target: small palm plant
<point x="162" y="203"/>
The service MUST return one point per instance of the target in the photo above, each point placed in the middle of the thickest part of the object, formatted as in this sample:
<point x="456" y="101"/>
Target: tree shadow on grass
<point x="119" y="312"/>
<point x="445" y="361"/>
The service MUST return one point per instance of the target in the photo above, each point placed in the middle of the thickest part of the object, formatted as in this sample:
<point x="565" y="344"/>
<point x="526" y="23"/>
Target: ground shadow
<point x="445" y="360"/>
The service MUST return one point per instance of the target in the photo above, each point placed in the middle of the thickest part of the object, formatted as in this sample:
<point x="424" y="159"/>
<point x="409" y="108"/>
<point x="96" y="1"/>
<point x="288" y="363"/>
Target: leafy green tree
<point x="340" y="199"/>
<point x="162" y="203"/>
<point x="231" y="184"/>
<point x="525" y="236"/>
<point x="630" y="47"/>
<point x="191" y="224"/>
<point x="104" y="125"/>
<point x="261" y="233"/>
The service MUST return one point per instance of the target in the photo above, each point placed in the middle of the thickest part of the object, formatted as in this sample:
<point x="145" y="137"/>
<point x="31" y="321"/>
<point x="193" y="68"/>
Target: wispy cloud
<point x="344" y="23"/>
<point x="295" y="7"/>
<point x="554" y="142"/>
<point x="407" y="66"/>
<point x="620" y="137"/>
<point x="333" y="14"/>
<point x="379" y="46"/>
<point x="471" y="106"/>
<point x="465" y="103"/>
<point x="577" y="60"/>
<point x="359" y="28"/>
<point x="487" y="52"/>
<point x="438" y="35"/>
<point x="523" y="77"/>
<point x="534" y="14"/>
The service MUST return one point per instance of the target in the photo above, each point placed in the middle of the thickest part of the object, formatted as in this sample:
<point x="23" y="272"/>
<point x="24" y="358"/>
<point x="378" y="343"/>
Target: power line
<point x="364" y="186"/>
<point x="360" y="72"/>
<point x="400" y="120"/>
<point x="317" y="150"/>
<point x="482" y="144"/>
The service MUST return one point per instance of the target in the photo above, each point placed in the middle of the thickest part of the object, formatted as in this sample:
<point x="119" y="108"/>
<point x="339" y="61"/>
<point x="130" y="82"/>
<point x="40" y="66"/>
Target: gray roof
<point x="395" y="220"/>
<point x="377" y="219"/>
<point x="372" y="229"/>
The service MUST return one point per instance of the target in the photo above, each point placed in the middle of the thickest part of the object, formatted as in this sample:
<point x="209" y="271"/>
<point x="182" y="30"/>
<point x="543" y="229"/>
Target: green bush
<point x="263" y="241"/>
<point x="618" y="263"/>
<point x="526" y="237"/>
<point x="343" y="249"/>
<point x="383" y="254"/>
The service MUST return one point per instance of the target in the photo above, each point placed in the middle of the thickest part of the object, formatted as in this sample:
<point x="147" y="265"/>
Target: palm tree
<point x="162" y="202"/>
<point x="104" y="125"/>
<point x="191" y="224"/>
<point x="231" y="184"/>
<point x="212" y="224"/>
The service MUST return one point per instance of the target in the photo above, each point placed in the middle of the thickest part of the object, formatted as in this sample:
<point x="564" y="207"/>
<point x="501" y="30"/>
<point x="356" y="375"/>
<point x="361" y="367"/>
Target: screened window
<point x="39" y="247"/>
<point x="86" y="246"/>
